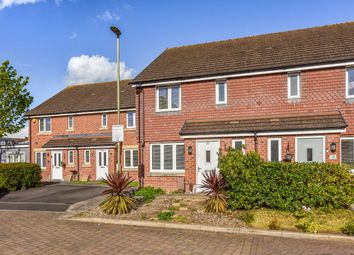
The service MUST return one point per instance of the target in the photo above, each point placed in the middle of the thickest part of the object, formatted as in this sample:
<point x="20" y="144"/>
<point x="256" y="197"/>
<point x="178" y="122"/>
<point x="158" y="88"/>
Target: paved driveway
<point x="55" y="197"/>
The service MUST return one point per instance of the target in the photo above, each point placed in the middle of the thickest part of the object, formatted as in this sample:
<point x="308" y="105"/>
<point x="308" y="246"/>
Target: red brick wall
<point x="83" y="124"/>
<point x="321" y="91"/>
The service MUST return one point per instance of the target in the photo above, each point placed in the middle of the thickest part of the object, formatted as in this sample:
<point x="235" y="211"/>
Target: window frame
<point x="45" y="125"/>
<point x="131" y="151"/>
<point x="162" y="159"/>
<point x="217" y="83"/>
<point x="106" y="124"/>
<point x="298" y="85"/>
<point x="72" y="122"/>
<point x="269" y="149"/>
<point x="341" y="152"/>
<point x="243" y="144"/>
<point x="134" y="120"/>
<point x="45" y="157"/>
<point x="347" y="82"/>
<point x="169" y="98"/>
<point x="87" y="162"/>
<point x="69" y="162"/>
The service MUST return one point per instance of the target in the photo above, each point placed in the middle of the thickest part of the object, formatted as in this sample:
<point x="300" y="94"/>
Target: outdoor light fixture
<point x="190" y="150"/>
<point x="333" y="147"/>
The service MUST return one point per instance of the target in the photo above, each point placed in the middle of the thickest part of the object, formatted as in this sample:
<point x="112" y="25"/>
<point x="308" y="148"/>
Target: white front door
<point x="207" y="159"/>
<point x="101" y="164"/>
<point x="57" y="169"/>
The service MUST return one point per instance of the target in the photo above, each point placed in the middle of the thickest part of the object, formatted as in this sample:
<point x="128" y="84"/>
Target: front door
<point x="207" y="159"/>
<point x="101" y="164"/>
<point x="57" y="169"/>
<point x="310" y="149"/>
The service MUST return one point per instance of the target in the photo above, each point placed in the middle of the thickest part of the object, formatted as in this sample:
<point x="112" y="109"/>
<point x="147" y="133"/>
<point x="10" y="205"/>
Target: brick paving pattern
<point x="43" y="233"/>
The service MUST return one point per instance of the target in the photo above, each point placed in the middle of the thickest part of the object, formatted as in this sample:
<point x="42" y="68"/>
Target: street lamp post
<point x="117" y="32"/>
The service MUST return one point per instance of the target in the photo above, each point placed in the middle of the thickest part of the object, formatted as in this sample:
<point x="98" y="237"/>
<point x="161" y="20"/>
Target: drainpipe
<point x="255" y="142"/>
<point x="139" y="92"/>
<point x="30" y="141"/>
<point x="78" y="163"/>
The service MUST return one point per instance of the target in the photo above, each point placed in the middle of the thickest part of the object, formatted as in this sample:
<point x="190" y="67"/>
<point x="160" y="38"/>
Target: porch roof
<point x="304" y="122"/>
<point x="79" y="141"/>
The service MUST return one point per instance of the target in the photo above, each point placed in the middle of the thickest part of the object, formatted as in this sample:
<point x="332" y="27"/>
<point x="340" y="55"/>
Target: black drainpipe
<point x="78" y="163"/>
<point x="255" y="142"/>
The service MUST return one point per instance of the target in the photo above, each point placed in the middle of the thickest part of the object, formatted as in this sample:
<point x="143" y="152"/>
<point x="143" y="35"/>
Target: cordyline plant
<point x="213" y="186"/>
<point x="119" y="201"/>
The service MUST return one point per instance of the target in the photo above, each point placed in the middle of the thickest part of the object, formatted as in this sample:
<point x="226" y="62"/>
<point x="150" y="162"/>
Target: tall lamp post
<point x="117" y="32"/>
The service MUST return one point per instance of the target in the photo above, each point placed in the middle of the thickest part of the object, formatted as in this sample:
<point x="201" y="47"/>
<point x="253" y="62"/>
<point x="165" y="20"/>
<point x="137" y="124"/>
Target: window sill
<point x="166" y="173"/>
<point x="69" y="130"/>
<point x="294" y="99"/>
<point x="103" y="128"/>
<point x="44" y="133"/>
<point x="130" y="129"/>
<point x="70" y="165"/>
<point x="132" y="169"/>
<point x="86" y="166"/>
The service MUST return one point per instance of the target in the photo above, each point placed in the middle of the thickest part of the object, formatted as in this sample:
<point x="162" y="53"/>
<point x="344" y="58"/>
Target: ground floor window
<point x="87" y="157"/>
<point x="274" y="149"/>
<point x="347" y="150"/>
<point x="310" y="149"/>
<point x="167" y="157"/>
<point x="41" y="159"/>
<point x="239" y="144"/>
<point x="16" y="157"/>
<point x="70" y="157"/>
<point x="130" y="158"/>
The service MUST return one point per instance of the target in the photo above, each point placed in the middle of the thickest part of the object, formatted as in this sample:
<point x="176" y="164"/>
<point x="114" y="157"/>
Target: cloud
<point x="108" y="16"/>
<point x="90" y="69"/>
<point x="57" y="2"/>
<point x="10" y="3"/>
<point x="72" y="36"/>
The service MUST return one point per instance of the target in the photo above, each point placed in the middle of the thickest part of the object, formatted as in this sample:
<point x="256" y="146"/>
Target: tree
<point x="15" y="100"/>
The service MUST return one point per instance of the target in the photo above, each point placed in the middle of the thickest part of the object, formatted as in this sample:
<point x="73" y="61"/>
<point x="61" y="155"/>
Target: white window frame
<point x="270" y="151"/>
<point x="341" y="139"/>
<point x="104" y="125"/>
<point x="131" y="158"/>
<point x="217" y="92"/>
<point x="72" y="122"/>
<point x="243" y="144"/>
<point x="36" y="158"/>
<point x="309" y="137"/>
<point x="69" y="162"/>
<point x="87" y="162"/>
<point x="45" y="125"/>
<point x="162" y="159"/>
<point x="134" y="120"/>
<point x="298" y="86"/>
<point x="347" y="83"/>
<point x="169" y="98"/>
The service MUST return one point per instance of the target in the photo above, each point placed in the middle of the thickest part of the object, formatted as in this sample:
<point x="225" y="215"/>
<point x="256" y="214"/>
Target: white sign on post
<point x="117" y="133"/>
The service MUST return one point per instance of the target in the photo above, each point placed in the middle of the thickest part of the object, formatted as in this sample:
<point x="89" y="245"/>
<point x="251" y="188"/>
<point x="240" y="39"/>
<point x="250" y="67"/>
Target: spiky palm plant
<point x="213" y="185"/>
<point x="119" y="200"/>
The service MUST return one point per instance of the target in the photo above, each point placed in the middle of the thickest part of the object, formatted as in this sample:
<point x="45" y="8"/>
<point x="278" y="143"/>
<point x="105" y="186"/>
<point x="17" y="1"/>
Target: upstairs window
<point x="168" y="98"/>
<point x="130" y="119"/>
<point x="70" y="122"/>
<point x="350" y="83"/>
<point x="45" y="125"/>
<point x="294" y="85"/>
<point x="221" y="92"/>
<point x="104" y="120"/>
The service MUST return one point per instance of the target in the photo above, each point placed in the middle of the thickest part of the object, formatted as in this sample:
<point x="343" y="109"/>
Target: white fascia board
<point x="79" y="113"/>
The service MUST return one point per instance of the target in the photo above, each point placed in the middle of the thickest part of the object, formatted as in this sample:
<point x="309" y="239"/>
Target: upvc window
<point x="274" y="149"/>
<point x="350" y="83"/>
<point x="70" y="157"/>
<point x="40" y="158"/>
<point x="221" y="92"/>
<point x="87" y="157"/>
<point x="130" y="158"/>
<point x="168" y="98"/>
<point x="70" y="122"/>
<point x="130" y="119"/>
<point x="293" y="85"/>
<point x="239" y="145"/>
<point x="104" y="120"/>
<point x="167" y="157"/>
<point x="45" y="125"/>
<point x="347" y="151"/>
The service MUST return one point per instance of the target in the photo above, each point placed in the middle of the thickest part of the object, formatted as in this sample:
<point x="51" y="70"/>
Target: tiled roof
<point x="83" y="141"/>
<point x="313" y="121"/>
<point x="318" y="45"/>
<point x="89" y="97"/>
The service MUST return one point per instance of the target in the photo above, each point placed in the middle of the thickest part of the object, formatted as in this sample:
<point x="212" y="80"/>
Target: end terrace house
<point x="289" y="96"/>
<point x="71" y="133"/>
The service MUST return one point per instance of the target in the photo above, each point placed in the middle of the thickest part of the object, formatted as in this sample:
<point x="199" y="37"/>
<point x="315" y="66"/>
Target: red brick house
<point x="70" y="133"/>
<point x="289" y="96"/>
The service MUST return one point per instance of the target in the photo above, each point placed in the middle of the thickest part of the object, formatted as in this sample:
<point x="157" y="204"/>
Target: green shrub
<point x="165" y="215"/>
<point x="19" y="176"/>
<point x="307" y="224"/>
<point x="253" y="183"/>
<point x="348" y="228"/>
<point x="247" y="217"/>
<point x="149" y="193"/>
<point x="274" y="224"/>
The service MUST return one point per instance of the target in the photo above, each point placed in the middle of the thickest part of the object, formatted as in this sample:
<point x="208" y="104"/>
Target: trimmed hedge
<point x="253" y="183"/>
<point x="18" y="176"/>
